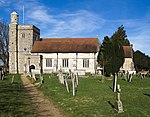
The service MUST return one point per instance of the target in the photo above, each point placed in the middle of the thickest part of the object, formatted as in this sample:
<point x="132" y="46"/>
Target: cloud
<point x="81" y="21"/>
<point x="65" y="23"/>
<point x="40" y="14"/>
<point x="3" y="2"/>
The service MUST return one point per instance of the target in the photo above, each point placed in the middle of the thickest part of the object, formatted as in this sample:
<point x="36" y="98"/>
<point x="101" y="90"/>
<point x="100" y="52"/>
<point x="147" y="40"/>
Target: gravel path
<point x="42" y="105"/>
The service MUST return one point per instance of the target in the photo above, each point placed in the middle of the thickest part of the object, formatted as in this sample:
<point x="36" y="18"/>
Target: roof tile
<point x="66" y="45"/>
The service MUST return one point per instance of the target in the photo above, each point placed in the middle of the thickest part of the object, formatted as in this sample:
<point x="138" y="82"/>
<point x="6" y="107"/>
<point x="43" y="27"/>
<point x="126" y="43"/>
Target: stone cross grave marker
<point x="74" y="80"/>
<point x="66" y="82"/>
<point x="118" y="103"/>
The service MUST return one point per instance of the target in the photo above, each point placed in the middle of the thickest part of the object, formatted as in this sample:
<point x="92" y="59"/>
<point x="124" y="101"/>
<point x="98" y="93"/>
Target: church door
<point x="31" y="67"/>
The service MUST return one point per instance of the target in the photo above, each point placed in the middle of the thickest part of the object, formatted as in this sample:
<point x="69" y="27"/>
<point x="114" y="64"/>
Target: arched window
<point x="31" y="67"/>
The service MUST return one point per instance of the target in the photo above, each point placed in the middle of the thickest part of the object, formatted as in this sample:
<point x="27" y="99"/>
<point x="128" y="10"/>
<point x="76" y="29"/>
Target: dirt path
<point x="42" y="106"/>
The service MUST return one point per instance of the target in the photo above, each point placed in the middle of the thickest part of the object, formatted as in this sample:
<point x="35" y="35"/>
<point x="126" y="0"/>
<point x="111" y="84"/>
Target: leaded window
<point x="48" y="62"/>
<point x="85" y="62"/>
<point x="65" y="63"/>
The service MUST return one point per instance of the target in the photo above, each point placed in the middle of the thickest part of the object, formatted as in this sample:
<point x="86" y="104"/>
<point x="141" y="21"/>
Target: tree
<point x="120" y="37"/>
<point x="112" y="54"/>
<point x="4" y="42"/>
<point x="141" y="61"/>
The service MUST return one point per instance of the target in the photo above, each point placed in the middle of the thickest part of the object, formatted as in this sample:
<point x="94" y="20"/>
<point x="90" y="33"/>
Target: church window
<point x="85" y="62"/>
<point x="48" y="62"/>
<point x="23" y="35"/>
<point x="65" y="63"/>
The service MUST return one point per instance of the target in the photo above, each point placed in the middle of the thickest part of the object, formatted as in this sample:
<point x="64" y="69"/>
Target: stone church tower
<point x="21" y="39"/>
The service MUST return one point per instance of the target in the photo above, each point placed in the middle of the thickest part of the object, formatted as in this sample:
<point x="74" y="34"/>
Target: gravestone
<point x="33" y="76"/>
<point x="3" y="77"/>
<point x="118" y="103"/>
<point x="41" y="79"/>
<point x="61" y="77"/>
<point x="12" y="80"/>
<point x="73" y="85"/>
<point x="66" y="82"/>
<point x="115" y="83"/>
<point x="126" y="76"/>
<point x="0" y="74"/>
<point x="130" y="77"/>
<point x="74" y="80"/>
<point x="77" y="79"/>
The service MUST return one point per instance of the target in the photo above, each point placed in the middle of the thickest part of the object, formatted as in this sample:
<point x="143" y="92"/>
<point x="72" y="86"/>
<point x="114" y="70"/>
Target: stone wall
<point x="13" y="48"/>
<point x="128" y="64"/>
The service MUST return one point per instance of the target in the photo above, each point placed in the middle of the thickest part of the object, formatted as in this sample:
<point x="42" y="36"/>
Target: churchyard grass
<point x="13" y="100"/>
<point x="96" y="99"/>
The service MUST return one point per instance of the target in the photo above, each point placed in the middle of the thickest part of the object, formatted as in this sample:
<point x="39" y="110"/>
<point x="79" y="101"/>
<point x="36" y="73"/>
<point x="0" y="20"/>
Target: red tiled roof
<point x="66" y="45"/>
<point x="127" y="51"/>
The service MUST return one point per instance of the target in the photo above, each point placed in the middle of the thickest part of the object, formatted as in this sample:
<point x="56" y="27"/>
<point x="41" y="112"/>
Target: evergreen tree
<point x="141" y="61"/>
<point x="111" y="53"/>
<point x="120" y="37"/>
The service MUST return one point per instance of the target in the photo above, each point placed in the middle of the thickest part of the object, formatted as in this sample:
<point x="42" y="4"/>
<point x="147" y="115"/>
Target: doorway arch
<point x="31" y="67"/>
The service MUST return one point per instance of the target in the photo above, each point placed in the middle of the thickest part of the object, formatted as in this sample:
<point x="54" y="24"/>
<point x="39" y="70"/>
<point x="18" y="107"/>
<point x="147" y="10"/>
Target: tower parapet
<point x="14" y="18"/>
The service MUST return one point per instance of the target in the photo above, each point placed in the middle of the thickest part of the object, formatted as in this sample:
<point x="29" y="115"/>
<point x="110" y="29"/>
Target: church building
<point x="30" y="53"/>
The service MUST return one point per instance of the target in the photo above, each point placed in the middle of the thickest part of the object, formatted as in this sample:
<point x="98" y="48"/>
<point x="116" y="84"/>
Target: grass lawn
<point x="96" y="99"/>
<point x="13" y="100"/>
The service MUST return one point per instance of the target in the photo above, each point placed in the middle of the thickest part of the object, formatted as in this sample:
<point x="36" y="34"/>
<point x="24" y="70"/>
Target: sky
<point x="84" y="18"/>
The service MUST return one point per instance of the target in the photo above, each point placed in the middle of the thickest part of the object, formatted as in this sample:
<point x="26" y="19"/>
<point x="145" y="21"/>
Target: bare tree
<point x="4" y="40"/>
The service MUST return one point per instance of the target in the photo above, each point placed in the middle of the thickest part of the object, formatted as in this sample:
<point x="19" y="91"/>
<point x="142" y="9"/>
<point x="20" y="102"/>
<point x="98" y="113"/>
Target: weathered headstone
<point x="3" y="77"/>
<point x="118" y="103"/>
<point x="64" y="78"/>
<point x="73" y="86"/>
<point x="126" y="76"/>
<point x="61" y="77"/>
<point x="115" y="83"/>
<point x="130" y="77"/>
<point x="41" y="79"/>
<point x="12" y="80"/>
<point x="76" y="78"/>
<point x="0" y="74"/>
<point x="66" y="82"/>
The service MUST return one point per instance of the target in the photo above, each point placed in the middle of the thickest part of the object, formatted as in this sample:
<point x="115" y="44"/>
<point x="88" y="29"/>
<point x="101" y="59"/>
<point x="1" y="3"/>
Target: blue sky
<point x="85" y="18"/>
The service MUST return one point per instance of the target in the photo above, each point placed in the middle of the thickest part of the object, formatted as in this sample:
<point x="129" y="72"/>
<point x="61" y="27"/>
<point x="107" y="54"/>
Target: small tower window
<point x="23" y="35"/>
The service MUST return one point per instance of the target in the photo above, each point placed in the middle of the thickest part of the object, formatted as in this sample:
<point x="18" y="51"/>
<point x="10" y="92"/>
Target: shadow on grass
<point x="111" y="104"/>
<point x="147" y="94"/>
<point x="111" y="88"/>
<point x="13" y="99"/>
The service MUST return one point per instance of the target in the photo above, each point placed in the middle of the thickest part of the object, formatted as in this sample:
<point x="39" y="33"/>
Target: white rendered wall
<point x="75" y="61"/>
